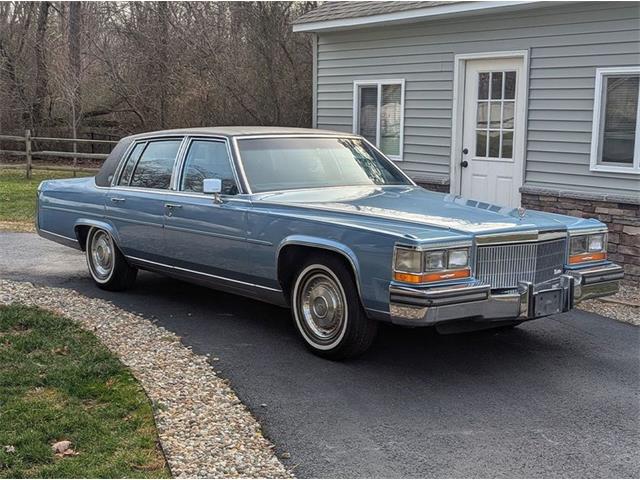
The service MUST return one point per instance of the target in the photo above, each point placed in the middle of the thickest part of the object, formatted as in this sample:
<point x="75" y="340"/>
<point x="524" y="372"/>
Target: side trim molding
<point x="196" y="272"/>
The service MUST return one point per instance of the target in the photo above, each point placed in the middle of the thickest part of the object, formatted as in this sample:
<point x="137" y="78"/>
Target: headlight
<point x="422" y="266"/>
<point x="435" y="260"/>
<point x="596" y="242"/>
<point x="588" y="248"/>
<point x="458" y="258"/>
<point x="408" y="260"/>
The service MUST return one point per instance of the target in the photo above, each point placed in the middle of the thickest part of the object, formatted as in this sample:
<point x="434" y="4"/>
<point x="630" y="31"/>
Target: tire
<point x="327" y="310"/>
<point x="107" y="266"/>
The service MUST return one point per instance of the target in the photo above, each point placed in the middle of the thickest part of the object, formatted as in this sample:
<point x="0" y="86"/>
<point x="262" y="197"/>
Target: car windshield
<point x="314" y="162"/>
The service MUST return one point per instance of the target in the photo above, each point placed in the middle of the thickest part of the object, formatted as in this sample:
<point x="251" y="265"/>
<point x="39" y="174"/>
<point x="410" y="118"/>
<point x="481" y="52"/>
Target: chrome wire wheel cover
<point x="101" y="255"/>
<point x="321" y="307"/>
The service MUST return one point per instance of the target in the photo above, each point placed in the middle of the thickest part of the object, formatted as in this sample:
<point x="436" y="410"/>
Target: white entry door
<point x="493" y="131"/>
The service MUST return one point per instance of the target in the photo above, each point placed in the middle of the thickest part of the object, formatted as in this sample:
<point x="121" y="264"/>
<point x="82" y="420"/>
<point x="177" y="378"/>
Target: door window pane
<point x="208" y="159"/>
<point x="391" y="106"/>
<point x="496" y="85"/>
<point x="483" y="115"/>
<point x="620" y="117"/>
<point x="507" y="144"/>
<point x="495" y="115"/>
<point x="509" y="85"/>
<point x="125" y="177"/>
<point x="368" y="113"/>
<point x="156" y="164"/>
<point x="481" y="143"/>
<point x="483" y="86"/>
<point x="494" y="143"/>
<point x="507" y="114"/>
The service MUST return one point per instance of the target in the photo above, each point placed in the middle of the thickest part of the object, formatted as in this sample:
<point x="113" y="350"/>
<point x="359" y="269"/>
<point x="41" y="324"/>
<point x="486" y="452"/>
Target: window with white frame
<point x="378" y="114"/>
<point x="615" y="141"/>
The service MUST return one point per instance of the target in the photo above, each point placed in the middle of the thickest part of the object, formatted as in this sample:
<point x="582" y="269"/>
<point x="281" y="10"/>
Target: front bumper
<point x="476" y="301"/>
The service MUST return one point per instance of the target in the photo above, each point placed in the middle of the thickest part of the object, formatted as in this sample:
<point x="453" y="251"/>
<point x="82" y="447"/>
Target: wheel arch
<point x="82" y="227"/>
<point x="294" y="247"/>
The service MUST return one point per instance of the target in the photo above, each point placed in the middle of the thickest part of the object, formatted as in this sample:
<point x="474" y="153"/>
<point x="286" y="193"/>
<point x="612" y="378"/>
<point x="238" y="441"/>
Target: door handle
<point x="465" y="151"/>
<point x="464" y="164"/>
<point x="117" y="199"/>
<point x="172" y="205"/>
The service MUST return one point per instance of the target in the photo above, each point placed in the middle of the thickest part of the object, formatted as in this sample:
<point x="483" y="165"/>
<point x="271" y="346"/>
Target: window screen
<point x="620" y="116"/>
<point x="390" y="113"/>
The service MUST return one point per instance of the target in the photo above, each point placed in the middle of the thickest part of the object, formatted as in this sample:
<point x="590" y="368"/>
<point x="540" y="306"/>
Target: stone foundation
<point x="622" y="218"/>
<point x="434" y="187"/>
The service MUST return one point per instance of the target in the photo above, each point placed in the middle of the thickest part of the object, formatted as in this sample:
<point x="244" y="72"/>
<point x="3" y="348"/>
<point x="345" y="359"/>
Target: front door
<point x="201" y="234"/>
<point x="493" y="131"/>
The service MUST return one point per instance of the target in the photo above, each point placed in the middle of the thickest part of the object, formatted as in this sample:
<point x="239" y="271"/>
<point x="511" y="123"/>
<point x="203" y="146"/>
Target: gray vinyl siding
<point x="566" y="44"/>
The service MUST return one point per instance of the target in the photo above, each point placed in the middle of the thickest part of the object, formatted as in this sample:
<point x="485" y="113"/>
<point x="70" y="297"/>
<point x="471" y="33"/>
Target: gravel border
<point x="204" y="429"/>
<point x="623" y="306"/>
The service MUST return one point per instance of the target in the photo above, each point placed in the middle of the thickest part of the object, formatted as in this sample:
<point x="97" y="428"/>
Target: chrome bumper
<point x="476" y="301"/>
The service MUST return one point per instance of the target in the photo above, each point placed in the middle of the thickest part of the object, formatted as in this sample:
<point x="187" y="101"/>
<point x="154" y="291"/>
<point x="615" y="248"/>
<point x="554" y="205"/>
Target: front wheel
<point x="107" y="265"/>
<point x="327" y="309"/>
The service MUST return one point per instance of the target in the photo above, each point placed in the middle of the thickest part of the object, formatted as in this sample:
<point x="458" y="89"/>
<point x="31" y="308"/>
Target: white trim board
<point x="418" y="14"/>
<point x="457" y="117"/>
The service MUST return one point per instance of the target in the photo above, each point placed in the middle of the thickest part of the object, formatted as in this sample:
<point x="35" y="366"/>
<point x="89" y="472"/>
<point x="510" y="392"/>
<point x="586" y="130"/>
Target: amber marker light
<point x="432" y="276"/>
<point x="587" y="257"/>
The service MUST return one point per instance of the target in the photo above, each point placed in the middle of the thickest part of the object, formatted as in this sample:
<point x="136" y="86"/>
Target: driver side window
<point x="208" y="159"/>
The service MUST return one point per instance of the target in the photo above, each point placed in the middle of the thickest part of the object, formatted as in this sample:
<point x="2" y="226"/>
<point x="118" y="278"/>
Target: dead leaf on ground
<point x="60" y="447"/>
<point x="61" y="351"/>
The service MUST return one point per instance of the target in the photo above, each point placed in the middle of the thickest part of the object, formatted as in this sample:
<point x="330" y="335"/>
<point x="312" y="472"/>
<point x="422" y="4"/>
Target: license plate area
<point x="547" y="302"/>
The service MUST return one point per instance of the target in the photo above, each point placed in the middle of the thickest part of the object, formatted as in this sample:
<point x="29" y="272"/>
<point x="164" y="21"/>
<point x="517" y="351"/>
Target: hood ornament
<point x="521" y="212"/>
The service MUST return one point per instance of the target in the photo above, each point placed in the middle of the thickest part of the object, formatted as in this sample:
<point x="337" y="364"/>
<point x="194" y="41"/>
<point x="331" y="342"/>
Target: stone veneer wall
<point x="435" y="187"/>
<point x="621" y="214"/>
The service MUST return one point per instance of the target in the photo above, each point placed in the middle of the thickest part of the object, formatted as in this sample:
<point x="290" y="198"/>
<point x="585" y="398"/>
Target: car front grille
<point x="504" y="266"/>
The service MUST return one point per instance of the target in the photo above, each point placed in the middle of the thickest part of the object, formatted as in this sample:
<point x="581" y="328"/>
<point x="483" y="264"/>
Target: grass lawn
<point x="18" y="197"/>
<point x="57" y="382"/>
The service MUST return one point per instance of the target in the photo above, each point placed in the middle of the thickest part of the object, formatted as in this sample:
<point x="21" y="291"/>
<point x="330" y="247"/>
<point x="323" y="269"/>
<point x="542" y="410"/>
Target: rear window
<point x="151" y="165"/>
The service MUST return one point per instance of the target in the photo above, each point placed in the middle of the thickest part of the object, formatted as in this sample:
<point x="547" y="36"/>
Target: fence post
<point x="75" y="150"/>
<point x="27" y="146"/>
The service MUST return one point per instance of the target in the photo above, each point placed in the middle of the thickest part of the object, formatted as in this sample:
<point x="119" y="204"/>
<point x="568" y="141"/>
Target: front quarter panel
<point x="369" y="252"/>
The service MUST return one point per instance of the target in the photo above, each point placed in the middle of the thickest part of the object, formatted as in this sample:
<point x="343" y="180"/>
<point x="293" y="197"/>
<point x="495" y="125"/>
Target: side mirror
<point x="213" y="186"/>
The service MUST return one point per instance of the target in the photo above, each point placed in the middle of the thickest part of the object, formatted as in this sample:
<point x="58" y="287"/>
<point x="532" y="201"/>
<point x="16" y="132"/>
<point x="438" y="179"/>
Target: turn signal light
<point x="587" y="257"/>
<point x="431" y="277"/>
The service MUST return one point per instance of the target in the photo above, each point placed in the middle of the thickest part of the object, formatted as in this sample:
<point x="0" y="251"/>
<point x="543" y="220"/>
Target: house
<point x="518" y="103"/>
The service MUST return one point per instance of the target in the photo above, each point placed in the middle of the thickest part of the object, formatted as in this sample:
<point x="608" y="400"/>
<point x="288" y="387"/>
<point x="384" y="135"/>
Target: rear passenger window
<point x="134" y="156"/>
<point x="153" y="169"/>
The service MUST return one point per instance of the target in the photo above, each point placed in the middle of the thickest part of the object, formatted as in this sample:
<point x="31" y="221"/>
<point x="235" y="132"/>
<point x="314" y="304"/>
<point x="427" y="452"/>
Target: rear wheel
<point x="327" y="309"/>
<point x="107" y="266"/>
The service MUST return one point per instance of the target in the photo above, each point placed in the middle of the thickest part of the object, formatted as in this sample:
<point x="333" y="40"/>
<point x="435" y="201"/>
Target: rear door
<point x="201" y="234"/>
<point x="136" y="204"/>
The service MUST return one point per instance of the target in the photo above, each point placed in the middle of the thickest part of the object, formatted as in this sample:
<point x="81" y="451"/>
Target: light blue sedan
<point x="324" y="223"/>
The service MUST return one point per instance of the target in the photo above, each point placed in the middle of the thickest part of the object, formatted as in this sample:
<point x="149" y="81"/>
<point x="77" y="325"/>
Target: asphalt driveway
<point x="557" y="397"/>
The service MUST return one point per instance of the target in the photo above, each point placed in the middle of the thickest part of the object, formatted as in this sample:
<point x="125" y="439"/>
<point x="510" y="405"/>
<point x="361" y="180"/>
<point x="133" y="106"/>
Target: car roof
<point x="241" y="131"/>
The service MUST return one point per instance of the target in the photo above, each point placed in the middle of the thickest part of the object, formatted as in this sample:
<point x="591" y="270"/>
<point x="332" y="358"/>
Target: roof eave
<point x="416" y="15"/>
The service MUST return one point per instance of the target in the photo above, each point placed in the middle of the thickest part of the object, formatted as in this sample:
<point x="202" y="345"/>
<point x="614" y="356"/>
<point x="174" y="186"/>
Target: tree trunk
<point x="41" y="76"/>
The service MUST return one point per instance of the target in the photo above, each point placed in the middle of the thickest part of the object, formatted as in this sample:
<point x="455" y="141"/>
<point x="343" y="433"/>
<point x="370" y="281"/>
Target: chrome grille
<point x="504" y="266"/>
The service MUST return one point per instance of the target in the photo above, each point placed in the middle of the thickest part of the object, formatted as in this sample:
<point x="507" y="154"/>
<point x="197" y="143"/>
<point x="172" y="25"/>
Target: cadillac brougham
<point x="324" y="223"/>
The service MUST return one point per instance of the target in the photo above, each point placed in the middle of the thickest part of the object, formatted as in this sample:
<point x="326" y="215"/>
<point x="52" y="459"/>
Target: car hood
<point x="417" y="205"/>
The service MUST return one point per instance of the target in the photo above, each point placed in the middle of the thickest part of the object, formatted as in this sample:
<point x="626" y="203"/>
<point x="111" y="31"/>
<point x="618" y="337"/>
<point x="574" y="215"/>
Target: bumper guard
<point x="476" y="301"/>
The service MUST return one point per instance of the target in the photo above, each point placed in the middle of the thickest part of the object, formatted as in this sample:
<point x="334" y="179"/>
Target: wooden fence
<point x="29" y="153"/>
